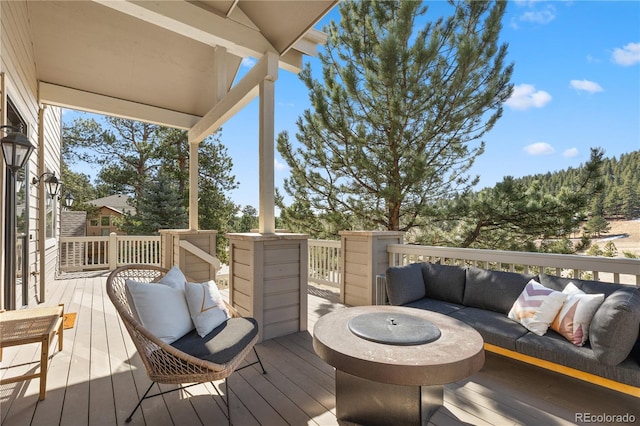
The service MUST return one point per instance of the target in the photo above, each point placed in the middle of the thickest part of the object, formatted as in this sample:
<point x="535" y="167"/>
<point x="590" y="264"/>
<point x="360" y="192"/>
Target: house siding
<point x="17" y="65"/>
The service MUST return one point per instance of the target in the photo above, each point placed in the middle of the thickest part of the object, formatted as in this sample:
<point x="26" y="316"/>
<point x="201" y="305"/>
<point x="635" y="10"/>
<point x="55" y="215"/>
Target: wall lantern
<point x="68" y="199"/>
<point x="16" y="150"/>
<point x="53" y="184"/>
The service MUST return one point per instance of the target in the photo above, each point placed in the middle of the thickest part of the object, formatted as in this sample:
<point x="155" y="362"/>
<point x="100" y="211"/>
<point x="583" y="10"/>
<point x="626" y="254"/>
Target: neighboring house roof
<point x="118" y="203"/>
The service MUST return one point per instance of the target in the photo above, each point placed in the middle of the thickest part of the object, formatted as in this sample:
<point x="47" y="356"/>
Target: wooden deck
<point x="97" y="378"/>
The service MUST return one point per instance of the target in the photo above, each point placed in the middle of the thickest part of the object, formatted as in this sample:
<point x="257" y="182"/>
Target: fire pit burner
<point x="394" y="328"/>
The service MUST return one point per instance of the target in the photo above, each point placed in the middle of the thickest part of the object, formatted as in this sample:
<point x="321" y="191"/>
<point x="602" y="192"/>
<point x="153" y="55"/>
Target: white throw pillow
<point x="206" y="306"/>
<point x="161" y="309"/>
<point x="536" y="307"/>
<point x="174" y="278"/>
<point x="576" y="314"/>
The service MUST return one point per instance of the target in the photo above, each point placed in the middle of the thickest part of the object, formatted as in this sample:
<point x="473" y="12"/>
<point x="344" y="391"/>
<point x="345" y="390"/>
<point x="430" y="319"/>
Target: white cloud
<point x="628" y="55"/>
<point x="586" y="85"/>
<point x="248" y="62"/>
<point x="280" y="167"/>
<point x="592" y="59"/>
<point x="539" y="148"/>
<point x="539" y="17"/>
<point x="526" y="96"/>
<point x="571" y="152"/>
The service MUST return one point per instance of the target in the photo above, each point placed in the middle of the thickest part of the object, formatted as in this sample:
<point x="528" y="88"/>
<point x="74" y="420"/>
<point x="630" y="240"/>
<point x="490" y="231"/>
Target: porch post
<point x="268" y="280"/>
<point x="364" y="255"/>
<point x="266" y="221"/>
<point x="193" y="185"/>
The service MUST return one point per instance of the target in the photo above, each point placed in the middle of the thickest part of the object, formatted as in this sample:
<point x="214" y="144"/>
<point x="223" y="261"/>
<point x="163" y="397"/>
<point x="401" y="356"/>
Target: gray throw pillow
<point x="615" y="326"/>
<point x="405" y="284"/>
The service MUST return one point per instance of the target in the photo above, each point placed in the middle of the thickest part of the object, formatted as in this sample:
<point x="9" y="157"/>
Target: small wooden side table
<point x="32" y="326"/>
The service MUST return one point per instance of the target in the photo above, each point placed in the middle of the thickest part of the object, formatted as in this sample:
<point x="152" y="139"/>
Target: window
<point x="93" y="222"/>
<point x="105" y="221"/>
<point x="50" y="215"/>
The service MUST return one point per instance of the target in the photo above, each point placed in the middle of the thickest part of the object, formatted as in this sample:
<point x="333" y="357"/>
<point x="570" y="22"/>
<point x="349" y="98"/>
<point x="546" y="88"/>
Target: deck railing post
<point x="113" y="251"/>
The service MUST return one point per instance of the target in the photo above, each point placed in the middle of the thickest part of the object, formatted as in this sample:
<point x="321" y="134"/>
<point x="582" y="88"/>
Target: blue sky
<point x="577" y="86"/>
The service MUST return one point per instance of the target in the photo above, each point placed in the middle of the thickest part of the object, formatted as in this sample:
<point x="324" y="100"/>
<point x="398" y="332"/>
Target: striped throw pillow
<point x="576" y="314"/>
<point x="536" y="307"/>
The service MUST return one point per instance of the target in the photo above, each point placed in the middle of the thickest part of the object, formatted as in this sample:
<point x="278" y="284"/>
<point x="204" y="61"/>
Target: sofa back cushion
<point x="405" y="284"/>
<point x="587" y="286"/>
<point x="444" y="282"/>
<point x="615" y="326"/>
<point x="493" y="290"/>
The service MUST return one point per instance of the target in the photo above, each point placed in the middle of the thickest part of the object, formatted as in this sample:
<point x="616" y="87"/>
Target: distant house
<point x="112" y="209"/>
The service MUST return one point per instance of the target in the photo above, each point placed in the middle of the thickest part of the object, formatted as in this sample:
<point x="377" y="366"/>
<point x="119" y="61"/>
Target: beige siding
<point x="21" y="84"/>
<point x="281" y="292"/>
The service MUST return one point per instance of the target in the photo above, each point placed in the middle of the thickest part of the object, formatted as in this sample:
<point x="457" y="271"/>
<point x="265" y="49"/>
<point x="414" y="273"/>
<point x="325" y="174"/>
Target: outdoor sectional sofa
<point x="483" y="298"/>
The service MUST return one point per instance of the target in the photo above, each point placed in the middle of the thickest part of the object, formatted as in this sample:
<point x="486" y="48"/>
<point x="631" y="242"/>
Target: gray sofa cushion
<point x="588" y="286"/>
<point x="444" y="282"/>
<point x="223" y="343"/>
<point x="494" y="327"/>
<point x="405" y="284"/>
<point x="555" y="348"/>
<point x="493" y="290"/>
<point x="439" y="306"/>
<point x="615" y="326"/>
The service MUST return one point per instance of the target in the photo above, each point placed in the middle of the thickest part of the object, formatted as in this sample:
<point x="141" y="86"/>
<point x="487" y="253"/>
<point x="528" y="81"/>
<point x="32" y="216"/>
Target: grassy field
<point x="625" y="234"/>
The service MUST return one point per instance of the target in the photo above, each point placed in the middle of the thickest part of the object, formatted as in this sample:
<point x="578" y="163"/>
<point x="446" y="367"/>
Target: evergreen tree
<point x="398" y="120"/>
<point x="124" y="152"/>
<point x="160" y="207"/>
<point x="516" y="212"/>
<point x="597" y="225"/>
<point x="215" y="208"/>
<point x="248" y="220"/>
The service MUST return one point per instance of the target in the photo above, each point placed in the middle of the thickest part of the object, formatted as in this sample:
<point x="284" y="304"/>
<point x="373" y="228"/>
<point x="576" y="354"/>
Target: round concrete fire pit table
<point x="395" y="383"/>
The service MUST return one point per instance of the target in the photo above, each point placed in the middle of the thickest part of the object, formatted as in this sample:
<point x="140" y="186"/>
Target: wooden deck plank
<point x="100" y="385"/>
<point x="125" y="395"/>
<point x="299" y="389"/>
<point x="76" y="404"/>
<point x="297" y="395"/>
<point x="60" y="364"/>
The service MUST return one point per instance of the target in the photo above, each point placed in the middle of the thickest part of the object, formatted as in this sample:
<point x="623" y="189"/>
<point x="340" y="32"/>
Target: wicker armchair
<point x="167" y="364"/>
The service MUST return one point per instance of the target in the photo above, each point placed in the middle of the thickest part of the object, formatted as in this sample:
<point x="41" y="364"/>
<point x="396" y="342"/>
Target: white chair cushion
<point x="160" y="308"/>
<point x="206" y="306"/>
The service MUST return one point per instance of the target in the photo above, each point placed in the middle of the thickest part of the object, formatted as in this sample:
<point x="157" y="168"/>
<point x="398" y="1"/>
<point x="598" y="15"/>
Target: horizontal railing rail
<point x="324" y="262"/>
<point x="108" y="252"/>
<point x="616" y="270"/>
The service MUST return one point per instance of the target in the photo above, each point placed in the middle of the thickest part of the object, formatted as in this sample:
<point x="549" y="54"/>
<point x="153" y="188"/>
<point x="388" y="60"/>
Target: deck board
<point x="98" y="378"/>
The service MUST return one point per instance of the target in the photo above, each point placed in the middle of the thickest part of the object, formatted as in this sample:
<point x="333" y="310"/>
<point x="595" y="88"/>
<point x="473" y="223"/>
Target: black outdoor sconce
<point x="53" y="184"/>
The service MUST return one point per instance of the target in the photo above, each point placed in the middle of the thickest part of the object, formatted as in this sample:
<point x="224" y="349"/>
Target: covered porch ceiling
<point x="167" y="62"/>
<point x="174" y="63"/>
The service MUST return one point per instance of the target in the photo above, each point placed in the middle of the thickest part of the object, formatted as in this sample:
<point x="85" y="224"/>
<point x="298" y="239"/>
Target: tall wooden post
<point x="364" y="255"/>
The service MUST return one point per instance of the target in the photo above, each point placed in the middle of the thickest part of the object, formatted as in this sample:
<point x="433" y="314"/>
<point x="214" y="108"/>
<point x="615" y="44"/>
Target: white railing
<point x="324" y="262"/>
<point x="87" y="253"/>
<point x="616" y="270"/>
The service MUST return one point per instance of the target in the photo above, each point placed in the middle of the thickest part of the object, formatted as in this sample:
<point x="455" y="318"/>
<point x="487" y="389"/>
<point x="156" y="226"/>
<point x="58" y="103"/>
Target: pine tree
<point x="160" y="206"/>
<point x="398" y="120"/>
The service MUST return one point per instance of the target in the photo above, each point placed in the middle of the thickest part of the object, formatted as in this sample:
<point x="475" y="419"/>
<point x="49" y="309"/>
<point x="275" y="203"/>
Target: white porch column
<point x="267" y="222"/>
<point x="193" y="185"/>
<point x="220" y="90"/>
